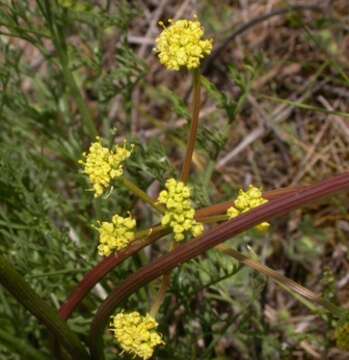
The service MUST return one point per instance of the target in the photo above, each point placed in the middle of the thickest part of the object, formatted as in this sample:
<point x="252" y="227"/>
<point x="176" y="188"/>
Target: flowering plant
<point x="124" y="208"/>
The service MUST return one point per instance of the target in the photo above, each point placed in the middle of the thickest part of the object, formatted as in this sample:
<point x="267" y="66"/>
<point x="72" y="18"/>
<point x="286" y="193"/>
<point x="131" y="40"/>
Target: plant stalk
<point x="194" y="126"/>
<point x="103" y="268"/>
<point x="160" y="297"/>
<point x="108" y="264"/>
<point x="132" y="187"/>
<point x="212" y="238"/>
<point x="59" y="41"/>
<point x="166" y="279"/>
<point x="24" y="294"/>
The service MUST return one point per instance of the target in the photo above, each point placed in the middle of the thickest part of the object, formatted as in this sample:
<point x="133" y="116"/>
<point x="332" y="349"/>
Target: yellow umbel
<point x="179" y="214"/>
<point x="246" y="201"/>
<point x="115" y="235"/>
<point x="136" y="334"/>
<point x="180" y="45"/>
<point x="103" y="165"/>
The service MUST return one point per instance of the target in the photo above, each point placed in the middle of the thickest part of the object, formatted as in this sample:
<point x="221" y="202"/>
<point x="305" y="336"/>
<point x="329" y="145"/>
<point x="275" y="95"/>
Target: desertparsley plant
<point x="179" y="46"/>
<point x="166" y="213"/>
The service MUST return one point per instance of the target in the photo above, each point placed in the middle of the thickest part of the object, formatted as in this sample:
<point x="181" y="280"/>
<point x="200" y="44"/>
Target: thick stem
<point x="103" y="268"/>
<point x="221" y="208"/>
<point x="200" y="245"/>
<point x="166" y="279"/>
<point x="165" y="282"/>
<point x="214" y="219"/>
<point x="108" y="264"/>
<point x="194" y="126"/>
<point x="24" y="294"/>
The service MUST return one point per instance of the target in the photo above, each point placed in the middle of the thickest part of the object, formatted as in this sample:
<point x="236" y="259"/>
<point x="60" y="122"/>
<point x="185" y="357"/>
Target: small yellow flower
<point x="342" y="336"/>
<point x="233" y="212"/>
<point x="246" y="201"/>
<point x="115" y="235"/>
<point x="180" y="44"/>
<point x="136" y="334"/>
<point x="103" y="165"/>
<point x="179" y="214"/>
<point x="263" y="227"/>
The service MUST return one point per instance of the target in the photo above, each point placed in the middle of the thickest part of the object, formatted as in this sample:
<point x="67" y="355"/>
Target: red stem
<point x="213" y="237"/>
<point x="108" y="264"/>
<point x="102" y="269"/>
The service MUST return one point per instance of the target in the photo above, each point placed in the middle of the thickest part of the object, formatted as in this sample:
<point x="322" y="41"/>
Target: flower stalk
<point x="166" y="279"/>
<point x="194" y="126"/>
<point x="133" y="188"/>
<point x="160" y="296"/>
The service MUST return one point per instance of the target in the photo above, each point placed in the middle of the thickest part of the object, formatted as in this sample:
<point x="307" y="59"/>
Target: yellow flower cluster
<point x="246" y="201"/>
<point x="180" y="45"/>
<point x="342" y="337"/>
<point x="115" y="235"/>
<point x="136" y="334"/>
<point x="103" y="165"/>
<point x="179" y="212"/>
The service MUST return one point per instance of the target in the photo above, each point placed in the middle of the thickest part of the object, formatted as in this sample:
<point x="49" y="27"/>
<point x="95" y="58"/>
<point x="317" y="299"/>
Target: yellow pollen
<point x="179" y="214"/>
<point x="103" y="165"/>
<point x="180" y="45"/>
<point x="115" y="235"/>
<point x="136" y="334"/>
<point x="246" y="201"/>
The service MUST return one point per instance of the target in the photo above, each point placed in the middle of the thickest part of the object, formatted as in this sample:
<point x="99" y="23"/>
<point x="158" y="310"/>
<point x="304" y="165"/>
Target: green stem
<point x="160" y="297"/>
<point x="19" y="346"/>
<point x="132" y="187"/>
<point x="146" y="233"/>
<point x="59" y="42"/>
<point x="76" y="93"/>
<point x="194" y="126"/>
<point x="165" y="285"/>
<point x="313" y="308"/>
<point x="17" y="286"/>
